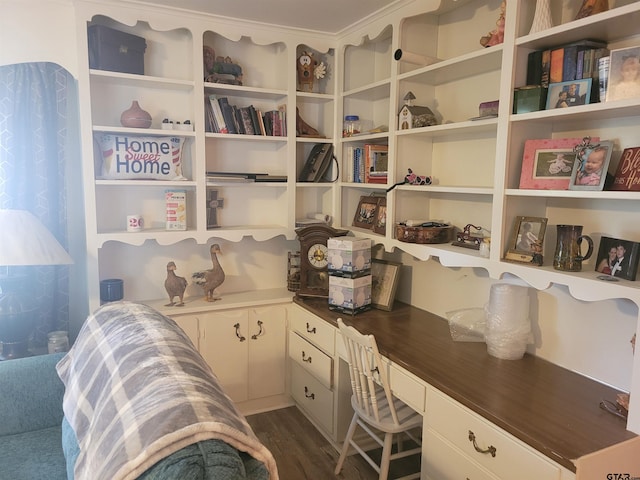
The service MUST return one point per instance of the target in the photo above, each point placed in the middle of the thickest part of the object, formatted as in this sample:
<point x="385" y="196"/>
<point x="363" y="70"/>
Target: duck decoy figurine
<point x="175" y="286"/>
<point x="210" y="279"/>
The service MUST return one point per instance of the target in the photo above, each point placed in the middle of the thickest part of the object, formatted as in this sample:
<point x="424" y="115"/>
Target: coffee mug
<point x="568" y="256"/>
<point x="135" y="223"/>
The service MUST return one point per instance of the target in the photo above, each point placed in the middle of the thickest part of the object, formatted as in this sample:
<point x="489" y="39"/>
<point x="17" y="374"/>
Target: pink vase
<point x="135" y="117"/>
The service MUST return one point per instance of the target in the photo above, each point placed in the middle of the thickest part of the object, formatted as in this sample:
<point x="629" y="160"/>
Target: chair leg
<point x="347" y="442"/>
<point x="385" y="461"/>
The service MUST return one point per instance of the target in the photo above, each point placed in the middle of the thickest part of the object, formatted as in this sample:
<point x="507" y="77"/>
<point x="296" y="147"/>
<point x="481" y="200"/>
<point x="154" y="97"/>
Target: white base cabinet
<point x="246" y="350"/>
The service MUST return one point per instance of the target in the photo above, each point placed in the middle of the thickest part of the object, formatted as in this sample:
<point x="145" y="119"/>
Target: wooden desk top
<point x="548" y="407"/>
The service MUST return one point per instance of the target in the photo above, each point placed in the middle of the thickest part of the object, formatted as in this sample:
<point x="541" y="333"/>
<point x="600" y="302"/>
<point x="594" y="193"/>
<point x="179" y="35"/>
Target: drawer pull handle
<point x="312" y="396"/>
<point x="237" y="327"/>
<point x="260" y="332"/>
<point x="310" y="330"/>
<point x="491" y="449"/>
<point x="305" y="358"/>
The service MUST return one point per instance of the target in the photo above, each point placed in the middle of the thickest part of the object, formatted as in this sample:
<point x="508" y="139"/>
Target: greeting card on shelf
<point x="628" y="173"/>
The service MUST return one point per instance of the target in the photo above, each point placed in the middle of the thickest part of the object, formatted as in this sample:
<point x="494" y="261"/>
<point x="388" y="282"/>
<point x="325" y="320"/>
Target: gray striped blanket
<point x="137" y="391"/>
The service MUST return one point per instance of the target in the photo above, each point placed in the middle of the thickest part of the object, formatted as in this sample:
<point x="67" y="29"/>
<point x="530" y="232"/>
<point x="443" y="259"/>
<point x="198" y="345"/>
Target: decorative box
<point x="176" y="202"/>
<point x="116" y="51"/>
<point x="349" y="257"/>
<point x="530" y="98"/>
<point x="488" y="109"/>
<point x="350" y="295"/>
<point x="424" y="234"/>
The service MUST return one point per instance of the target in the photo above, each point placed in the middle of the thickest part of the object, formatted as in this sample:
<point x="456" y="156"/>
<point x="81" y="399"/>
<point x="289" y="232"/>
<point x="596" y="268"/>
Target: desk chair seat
<point x="376" y="410"/>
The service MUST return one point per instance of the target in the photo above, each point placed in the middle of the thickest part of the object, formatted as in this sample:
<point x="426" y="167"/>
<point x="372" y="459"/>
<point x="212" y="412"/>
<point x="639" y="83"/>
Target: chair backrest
<point x="369" y="380"/>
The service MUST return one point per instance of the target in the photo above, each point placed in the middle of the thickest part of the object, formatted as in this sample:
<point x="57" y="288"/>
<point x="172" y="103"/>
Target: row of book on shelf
<point x="564" y="63"/>
<point x="222" y="117"/>
<point x="367" y="163"/>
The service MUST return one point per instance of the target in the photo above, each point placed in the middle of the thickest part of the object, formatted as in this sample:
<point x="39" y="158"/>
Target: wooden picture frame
<point x="623" y="262"/>
<point x="384" y="283"/>
<point x="527" y="240"/>
<point x="569" y="94"/>
<point x="591" y="166"/>
<point x="366" y="212"/>
<point x="380" y="224"/>
<point x="545" y="162"/>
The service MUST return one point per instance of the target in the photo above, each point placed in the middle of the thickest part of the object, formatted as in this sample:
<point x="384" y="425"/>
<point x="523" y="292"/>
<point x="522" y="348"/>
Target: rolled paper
<point x="414" y="58"/>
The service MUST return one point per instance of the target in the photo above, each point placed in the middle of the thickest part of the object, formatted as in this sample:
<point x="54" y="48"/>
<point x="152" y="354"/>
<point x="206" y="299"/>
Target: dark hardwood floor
<point x="302" y="453"/>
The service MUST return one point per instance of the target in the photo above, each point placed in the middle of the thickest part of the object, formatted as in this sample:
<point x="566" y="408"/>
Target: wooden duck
<point x="210" y="279"/>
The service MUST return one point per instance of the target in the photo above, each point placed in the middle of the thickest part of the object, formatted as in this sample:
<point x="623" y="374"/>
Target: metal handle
<point x="310" y="330"/>
<point x="237" y="327"/>
<point x="305" y="358"/>
<point x="260" y="333"/>
<point x="312" y="396"/>
<point x="491" y="449"/>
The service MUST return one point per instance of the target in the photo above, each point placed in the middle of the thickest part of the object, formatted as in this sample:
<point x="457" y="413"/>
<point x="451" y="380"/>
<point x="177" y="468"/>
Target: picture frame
<point x="384" y="283"/>
<point x="527" y="240"/>
<point x="541" y="167"/>
<point x="591" y="166"/>
<point x="624" y="62"/>
<point x="617" y="259"/>
<point x="380" y="224"/>
<point x="569" y="94"/>
<point x="366" y="212"/>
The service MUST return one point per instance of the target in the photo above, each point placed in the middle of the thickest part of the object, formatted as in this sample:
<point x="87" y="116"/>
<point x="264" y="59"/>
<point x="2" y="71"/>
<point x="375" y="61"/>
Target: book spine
<point x="246" y="120"/>
<point x="217" y="111"/>
<point x="534" y="68"/>
<point x="569" y="63"/>
<point x="254" y="120"/>
<point x="348" y="165"/>
<point x="546" y="68"/>
<point x="557" y="62"/>
<point x="580" y="64"/>
<point x="227" y="113"/>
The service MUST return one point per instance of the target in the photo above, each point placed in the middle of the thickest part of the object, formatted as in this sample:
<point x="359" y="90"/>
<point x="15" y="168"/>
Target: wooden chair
<point x="375" y="407"/>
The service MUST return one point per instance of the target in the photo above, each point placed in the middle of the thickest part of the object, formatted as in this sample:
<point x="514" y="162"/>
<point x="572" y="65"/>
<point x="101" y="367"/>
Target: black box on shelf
<point x="530" y="98"/>
<point x="116" y="51"/>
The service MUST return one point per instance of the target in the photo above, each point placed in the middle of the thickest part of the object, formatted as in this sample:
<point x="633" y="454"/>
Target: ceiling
<point x="330" y="16"/>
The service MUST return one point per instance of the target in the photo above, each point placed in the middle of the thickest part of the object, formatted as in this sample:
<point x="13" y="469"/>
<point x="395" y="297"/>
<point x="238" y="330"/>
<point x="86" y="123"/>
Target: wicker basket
<point x="424" y="234"/>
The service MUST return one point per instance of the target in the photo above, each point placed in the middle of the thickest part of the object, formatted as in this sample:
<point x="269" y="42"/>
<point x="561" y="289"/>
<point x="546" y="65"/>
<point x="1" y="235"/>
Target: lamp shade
<point x="24" y="240"/>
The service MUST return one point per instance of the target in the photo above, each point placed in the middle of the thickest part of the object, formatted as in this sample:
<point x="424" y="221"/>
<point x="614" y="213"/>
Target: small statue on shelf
<point x="591" y="7"/>
<point x="308" y="69"/>
<point x="220" y="69"/>
<point x="496" y="36"/>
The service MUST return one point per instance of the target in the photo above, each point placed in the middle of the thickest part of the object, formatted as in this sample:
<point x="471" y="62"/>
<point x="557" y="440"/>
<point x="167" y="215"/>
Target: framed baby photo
<point x="569" y="94"/>
<point x="526" y="240"/>
<point x="547" y="163"/>
<point x="617" y="259"/>
<point x="624" y="74"/>
<point x="590" y="169"/>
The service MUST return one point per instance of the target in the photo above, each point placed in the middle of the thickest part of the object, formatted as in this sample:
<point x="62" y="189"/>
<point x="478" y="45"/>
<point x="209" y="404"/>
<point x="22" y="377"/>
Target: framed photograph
<point x="590" y="169"/>
<point x="547" y="163"/>
<point x="624" y="74"/>
<point x="384" y="283"/>
<point x="380" y="225"/>
<point x="569" y="94"/>
<point x="367" y="211"/>
<point x="617" y="259"/>
<point x="527" y="240"/>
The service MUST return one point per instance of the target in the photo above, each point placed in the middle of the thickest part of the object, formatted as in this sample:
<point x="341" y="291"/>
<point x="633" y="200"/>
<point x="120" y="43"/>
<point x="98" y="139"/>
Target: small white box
<point x="176" y="205"/>
<point x="349" y="256"/>
<point x="350" y="295"/>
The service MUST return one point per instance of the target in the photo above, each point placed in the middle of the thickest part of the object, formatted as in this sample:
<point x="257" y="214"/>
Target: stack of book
<point x="367" y="164"/>
<point x="222" y="117"/>
<point x="574" y="61"/>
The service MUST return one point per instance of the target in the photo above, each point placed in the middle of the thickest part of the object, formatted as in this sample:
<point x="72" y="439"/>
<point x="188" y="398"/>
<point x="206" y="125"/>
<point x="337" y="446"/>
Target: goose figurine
<point x="175" y="286"/>
<point x="210" y="279"/>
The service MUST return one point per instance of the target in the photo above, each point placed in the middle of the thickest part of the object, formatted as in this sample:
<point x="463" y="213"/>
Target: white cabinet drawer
<point x="407" y="388"/>
<point x="312" y="359"/>
<point x="313" y="397"/>
<point x="513" y="459"/>
<point x="440" y="461"/>
<point x="314" y="329"/>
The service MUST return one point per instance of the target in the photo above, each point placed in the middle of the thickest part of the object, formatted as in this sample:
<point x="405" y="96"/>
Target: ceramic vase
<point x="542" y="17"/>
<point x="135" y="117"/>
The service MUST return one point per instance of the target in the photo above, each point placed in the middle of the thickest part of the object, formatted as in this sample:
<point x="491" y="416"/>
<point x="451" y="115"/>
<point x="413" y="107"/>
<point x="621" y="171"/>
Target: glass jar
<point x="58" y="341"/>
<point x="351" y="125"/>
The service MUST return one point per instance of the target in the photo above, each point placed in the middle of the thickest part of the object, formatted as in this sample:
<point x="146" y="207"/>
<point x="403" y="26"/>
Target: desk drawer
<point x="407" y="388"/>
<point x="440" y="461"/>
<point x="311" y="358"/>
<point x="513" y="459"/>
<point x="314" y="329"/>
<point x="313" y="397"/>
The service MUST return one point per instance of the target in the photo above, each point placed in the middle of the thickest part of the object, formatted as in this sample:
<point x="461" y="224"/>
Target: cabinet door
<point x="189" y="323"/>
<point x="224" y="345"/>
<point x="267" y="351"/>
